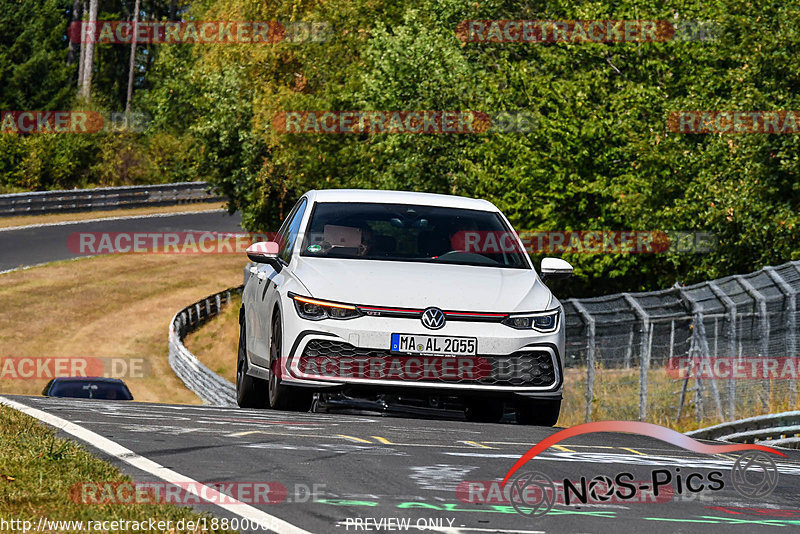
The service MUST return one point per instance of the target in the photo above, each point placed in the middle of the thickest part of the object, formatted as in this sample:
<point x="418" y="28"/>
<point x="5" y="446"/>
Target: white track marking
<point x="121" y="218"/>
<point x="140" y="462"/>
<point x="26" y="267"/>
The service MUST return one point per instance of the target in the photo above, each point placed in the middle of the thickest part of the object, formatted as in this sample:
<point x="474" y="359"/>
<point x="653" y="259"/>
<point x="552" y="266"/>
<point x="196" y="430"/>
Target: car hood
<point x="419" y="285"/>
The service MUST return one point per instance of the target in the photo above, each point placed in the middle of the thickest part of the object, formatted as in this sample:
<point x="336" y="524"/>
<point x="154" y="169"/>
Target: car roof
<point x="88" y="379"/>
<point x="399" y="197"/>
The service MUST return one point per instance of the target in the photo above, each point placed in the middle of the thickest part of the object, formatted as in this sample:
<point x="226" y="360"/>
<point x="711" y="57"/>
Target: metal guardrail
<point x="205" y="383"/>
<point x="778" y="430"/>
<point x="105" y="198"/>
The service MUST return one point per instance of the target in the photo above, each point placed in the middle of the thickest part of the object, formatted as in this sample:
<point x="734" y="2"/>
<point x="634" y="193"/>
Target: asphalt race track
<point x="372" y="473"/>
<point x="41" y="244"/>
<point x="375" y="468"/>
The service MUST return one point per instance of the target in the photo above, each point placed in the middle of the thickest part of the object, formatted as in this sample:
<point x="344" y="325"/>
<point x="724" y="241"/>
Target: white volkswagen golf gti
<point x="419" y="295"/>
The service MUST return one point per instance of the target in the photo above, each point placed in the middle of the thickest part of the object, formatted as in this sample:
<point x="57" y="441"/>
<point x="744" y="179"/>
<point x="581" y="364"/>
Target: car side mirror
<point x="265" y="252"/>
<point x="555" y="269"/>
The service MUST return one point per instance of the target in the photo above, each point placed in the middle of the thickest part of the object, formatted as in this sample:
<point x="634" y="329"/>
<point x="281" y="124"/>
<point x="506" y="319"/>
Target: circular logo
<point x="314" y="248"/>
<point x="754" y="475"/>
<point x="532" y="493"/>
<point x="433" y="318"/>
<point x="601" y="488"/>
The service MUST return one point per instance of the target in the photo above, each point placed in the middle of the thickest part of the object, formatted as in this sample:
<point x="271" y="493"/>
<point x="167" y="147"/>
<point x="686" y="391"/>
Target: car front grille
<point x="529" y="368"/>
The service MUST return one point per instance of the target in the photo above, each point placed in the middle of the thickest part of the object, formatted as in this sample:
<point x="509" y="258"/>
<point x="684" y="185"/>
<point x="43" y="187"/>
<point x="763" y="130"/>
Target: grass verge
<point x="216" y="342"/>
<point x="108" y="306"/>
<point x="37" y="471"/>
<point x="48" y="218"/>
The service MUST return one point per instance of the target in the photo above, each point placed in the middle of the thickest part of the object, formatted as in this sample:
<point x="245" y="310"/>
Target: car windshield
<point x="90" y="390"/>
<point x="406" y="232"/>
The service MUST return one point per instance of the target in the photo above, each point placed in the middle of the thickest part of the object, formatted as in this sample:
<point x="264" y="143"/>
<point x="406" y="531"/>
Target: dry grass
<point x="216" y="342"/>
<point x="24" y="220"/>
<point x="108" y="306"/>
<point x="616" y="397"/>
<point x="38" y="469"/>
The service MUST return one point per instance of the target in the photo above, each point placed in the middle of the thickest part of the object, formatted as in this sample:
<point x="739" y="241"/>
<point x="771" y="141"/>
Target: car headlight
<point x="316" y="310"/>
<point x="541" y="322"/>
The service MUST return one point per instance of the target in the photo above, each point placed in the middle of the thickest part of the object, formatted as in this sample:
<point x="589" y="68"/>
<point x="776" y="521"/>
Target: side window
<point x="291" y="231"/>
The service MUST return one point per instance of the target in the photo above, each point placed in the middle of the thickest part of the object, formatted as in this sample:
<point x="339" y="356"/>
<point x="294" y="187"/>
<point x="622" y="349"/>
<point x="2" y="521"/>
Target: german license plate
<point x="438" y="345"/>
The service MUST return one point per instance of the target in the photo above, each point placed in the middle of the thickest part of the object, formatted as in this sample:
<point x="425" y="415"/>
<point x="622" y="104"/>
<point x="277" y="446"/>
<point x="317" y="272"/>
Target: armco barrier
<point x="779" y="429"/>
<point x="105" y="198"/>
<point x="209" y="386"/>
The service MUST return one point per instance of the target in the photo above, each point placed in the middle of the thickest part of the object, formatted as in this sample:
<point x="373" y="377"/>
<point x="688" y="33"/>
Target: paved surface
<point x="32" y="246"/>
<point x="375" y="468"/>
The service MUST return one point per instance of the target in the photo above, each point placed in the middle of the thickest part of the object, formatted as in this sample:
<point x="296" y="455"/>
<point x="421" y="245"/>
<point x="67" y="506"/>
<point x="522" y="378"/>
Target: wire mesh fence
<point x="712" y="351"/>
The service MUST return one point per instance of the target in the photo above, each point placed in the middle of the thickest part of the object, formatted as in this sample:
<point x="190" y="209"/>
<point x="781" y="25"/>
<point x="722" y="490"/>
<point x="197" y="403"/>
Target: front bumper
<point x="511" y="361"/>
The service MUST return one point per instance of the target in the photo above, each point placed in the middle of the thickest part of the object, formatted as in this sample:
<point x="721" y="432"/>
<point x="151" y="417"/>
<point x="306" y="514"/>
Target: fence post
<point x="700" y="344"/>
<point x="730" y="307"/>
<point x="790" y="297"/>
<point x="763" y="322"/>
<point x="671" y="339"/>
<point x="590" y="337"/>
<point x="790" y="294"/>
<point x="629" y="349"/>
<point x="762" y="312"/>
<point x="644" y="356"/>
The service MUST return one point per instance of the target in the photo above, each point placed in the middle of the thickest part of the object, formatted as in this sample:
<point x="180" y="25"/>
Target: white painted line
<point x="121" y="218"/>
<point x="477" y="445"/>
<point x="122" y="454"/>
<point x="26" y="267"/>
<point x="353" y="438"/>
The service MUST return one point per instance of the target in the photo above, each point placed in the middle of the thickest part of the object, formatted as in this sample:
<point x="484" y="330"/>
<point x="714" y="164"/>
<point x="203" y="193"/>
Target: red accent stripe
<point x="477" y="314"/>
<point x="405" y="310"/>
<point x="389" y="309"/>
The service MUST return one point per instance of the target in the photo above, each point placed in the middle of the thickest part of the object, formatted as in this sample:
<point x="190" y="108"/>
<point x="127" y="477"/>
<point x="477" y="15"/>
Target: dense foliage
<point x="598" y="157"/>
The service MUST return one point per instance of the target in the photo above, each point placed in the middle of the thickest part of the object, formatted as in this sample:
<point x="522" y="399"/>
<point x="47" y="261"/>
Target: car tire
<point x="539" y="412"/>
<point x="484" y="411"/>
<point x="251" y="392"/>
<point x="281" y="396"/>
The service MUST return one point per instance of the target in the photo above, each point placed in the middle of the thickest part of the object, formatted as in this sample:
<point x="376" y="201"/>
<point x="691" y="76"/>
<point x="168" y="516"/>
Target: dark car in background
<point x="88" y="388"/>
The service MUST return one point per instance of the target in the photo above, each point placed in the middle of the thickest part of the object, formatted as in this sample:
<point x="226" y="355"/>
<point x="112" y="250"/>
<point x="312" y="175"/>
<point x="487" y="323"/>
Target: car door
<point x="268" y="281"/>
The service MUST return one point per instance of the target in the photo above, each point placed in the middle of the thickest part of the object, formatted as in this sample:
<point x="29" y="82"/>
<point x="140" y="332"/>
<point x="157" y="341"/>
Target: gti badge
<point x="433" y="318"/>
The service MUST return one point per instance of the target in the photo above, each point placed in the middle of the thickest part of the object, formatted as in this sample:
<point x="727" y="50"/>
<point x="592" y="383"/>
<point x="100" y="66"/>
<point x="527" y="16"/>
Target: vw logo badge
<point x="433" y="318"/>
